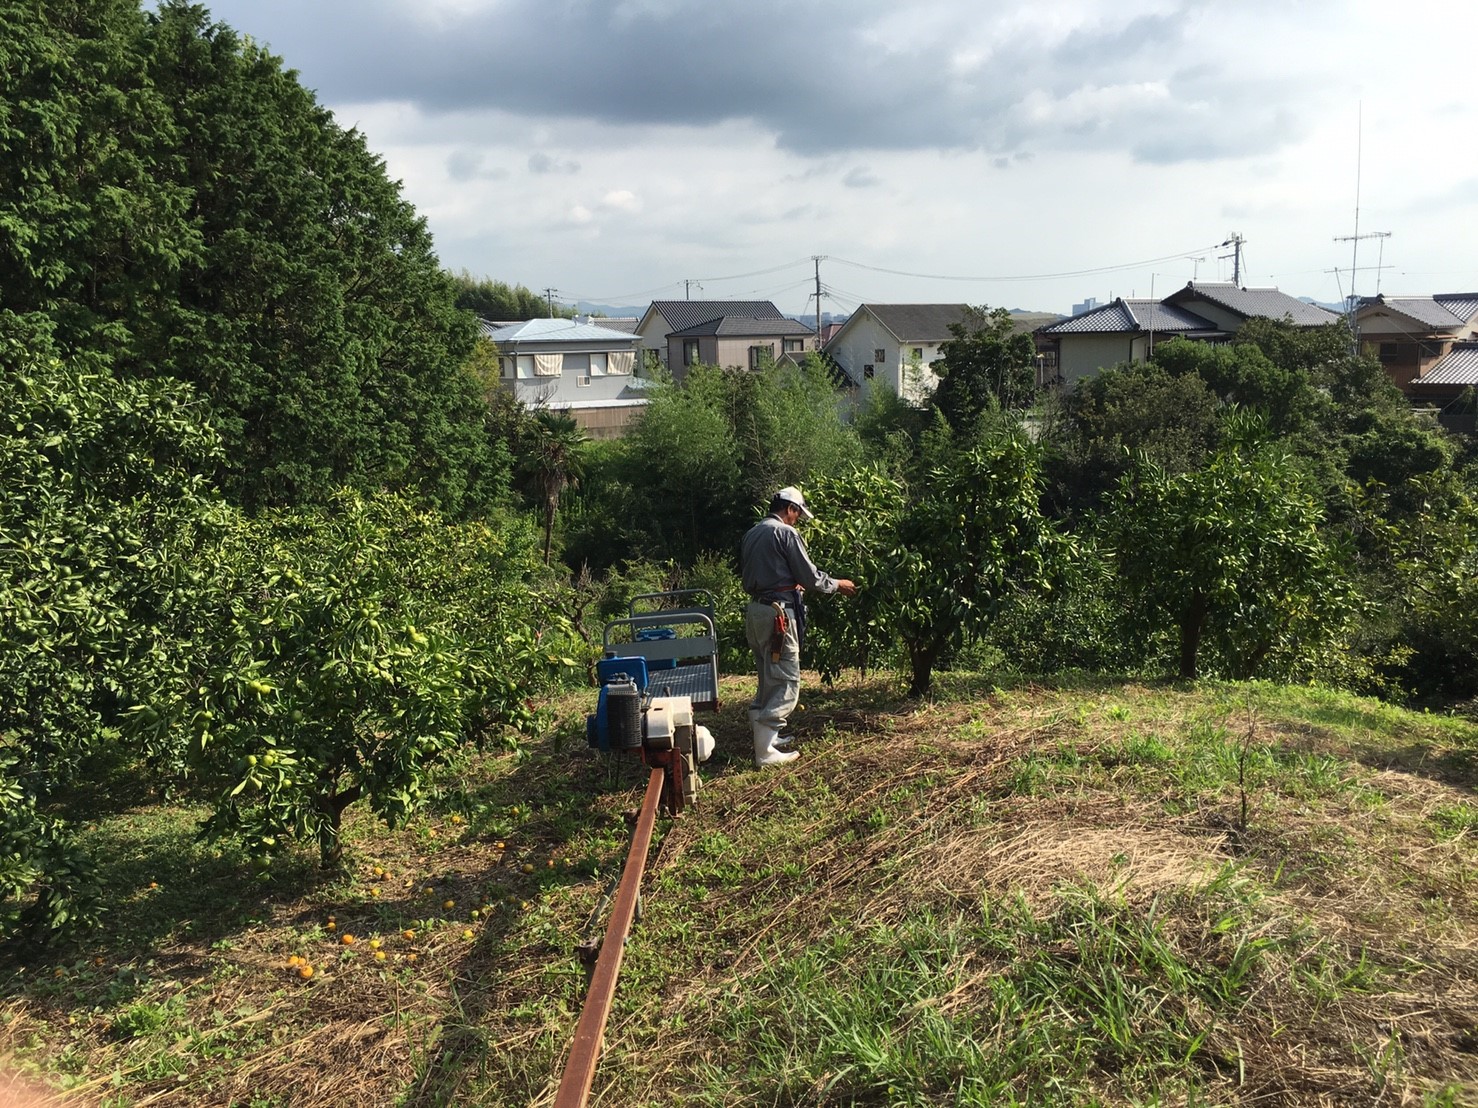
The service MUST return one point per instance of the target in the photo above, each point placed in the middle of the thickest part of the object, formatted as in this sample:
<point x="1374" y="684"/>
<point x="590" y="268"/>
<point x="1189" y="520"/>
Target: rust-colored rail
<point x="574" y="1086"/>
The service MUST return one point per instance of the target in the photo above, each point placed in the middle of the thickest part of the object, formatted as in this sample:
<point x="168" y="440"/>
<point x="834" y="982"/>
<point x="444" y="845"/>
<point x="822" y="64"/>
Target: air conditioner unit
<point x="582" y="382"/>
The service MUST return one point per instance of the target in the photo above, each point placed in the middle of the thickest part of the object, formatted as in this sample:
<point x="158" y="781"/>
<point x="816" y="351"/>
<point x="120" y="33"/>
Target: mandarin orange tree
<point x="349" y="651"/>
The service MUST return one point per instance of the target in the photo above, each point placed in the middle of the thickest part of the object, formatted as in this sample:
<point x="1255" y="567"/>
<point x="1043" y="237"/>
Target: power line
<point x="1033" y="276"/>
<point x="757" y="272"/>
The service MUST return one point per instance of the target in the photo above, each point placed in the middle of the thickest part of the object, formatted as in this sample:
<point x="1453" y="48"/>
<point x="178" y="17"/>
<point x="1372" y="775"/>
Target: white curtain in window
<point x="620" y="361"/>
<point x="597" y="364"/>
<point x="548" y="365"/>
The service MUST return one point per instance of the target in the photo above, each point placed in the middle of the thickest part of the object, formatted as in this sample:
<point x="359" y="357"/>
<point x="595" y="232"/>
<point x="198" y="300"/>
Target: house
<point x="1444" y="381"/>
<point x="1127" y="329"/>
<point x="1229" y="306"/>
<point x="1412" y="335"/>
<point x="565" y="365"/>
<point x="894" y="344"/>
<point x="1124" y="330"/>
<point x="736" y="342"/>
<point x="664" y="317"/>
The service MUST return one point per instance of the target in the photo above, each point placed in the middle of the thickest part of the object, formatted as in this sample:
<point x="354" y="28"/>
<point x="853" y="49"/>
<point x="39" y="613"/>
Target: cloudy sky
<point x="1016" y="153"/>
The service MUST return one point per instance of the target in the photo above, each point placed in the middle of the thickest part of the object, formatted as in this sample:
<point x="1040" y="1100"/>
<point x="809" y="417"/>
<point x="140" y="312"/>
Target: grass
<point x="1080" y="894"/>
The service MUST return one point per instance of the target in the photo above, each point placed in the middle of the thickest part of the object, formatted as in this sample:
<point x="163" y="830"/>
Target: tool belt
<point x="794" y="601"/>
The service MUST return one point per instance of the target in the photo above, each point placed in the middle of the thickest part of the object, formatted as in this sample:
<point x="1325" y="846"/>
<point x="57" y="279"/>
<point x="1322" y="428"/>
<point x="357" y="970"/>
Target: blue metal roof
<point x="558" y="330"/>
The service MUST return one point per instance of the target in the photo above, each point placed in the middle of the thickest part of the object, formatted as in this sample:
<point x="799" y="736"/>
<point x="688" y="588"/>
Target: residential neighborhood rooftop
<point x="1459" y="366"/>
<point x="916" y="322"/>
<point x="1265" y="303"/>
<point x="554" y="330"/>
<point x="1132" y="315"/>
<point x="740" y="326"/>
<point x="682" y="314"/>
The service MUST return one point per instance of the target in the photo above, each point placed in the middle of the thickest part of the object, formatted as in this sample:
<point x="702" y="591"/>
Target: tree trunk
<point x="1192" y="623"/>
<point x="921" y="657"/>
<point x="330" y="845"/>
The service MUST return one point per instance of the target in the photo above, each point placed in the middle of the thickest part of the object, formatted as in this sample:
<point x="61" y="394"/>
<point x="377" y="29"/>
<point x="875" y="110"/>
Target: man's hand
<point x="845" y="587"/>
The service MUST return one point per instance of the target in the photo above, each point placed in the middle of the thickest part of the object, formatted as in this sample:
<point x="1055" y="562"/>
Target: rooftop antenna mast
<point x="818" y="259"/>
<point x="1236" y="241"/>
<point x="1353" y="300"/>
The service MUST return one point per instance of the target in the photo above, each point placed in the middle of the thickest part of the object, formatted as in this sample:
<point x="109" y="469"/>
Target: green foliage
<point x="705" y="455"/>
<point x="347" y="653"/>
<point x="101" y="509"/>
<point x="1170" y="419"/>
<point x="176" y="204"/>
<point x="501" y="302"/>
<point x="551" y="461"/>
<point x="986" y="364"/>
<point x="933" y="559"/>
<point x="1231" y="556"/>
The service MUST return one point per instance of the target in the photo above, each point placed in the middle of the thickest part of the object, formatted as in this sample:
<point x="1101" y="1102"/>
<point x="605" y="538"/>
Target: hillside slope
<point x="1082" y="894"/>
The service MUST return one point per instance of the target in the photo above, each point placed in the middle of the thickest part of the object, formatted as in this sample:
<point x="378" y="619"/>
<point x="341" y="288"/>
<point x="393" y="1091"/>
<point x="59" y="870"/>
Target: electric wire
<point x="1028" y="276"/>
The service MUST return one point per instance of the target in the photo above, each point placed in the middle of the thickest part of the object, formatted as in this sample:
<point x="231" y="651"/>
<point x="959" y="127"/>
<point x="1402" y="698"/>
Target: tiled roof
<point x="558" y="330"/>
<point x="1459" y="366"/>
<point x="1446" y="311"/>
<point x="1464" y="305"/>
<point x="918" y="322"/>
<point x="1250" y="303"/>
<point x="682" y="314"/>
<point x="1426" y="310"/>
<point x="1132" y="316"/>
<point x="743" y="326"/>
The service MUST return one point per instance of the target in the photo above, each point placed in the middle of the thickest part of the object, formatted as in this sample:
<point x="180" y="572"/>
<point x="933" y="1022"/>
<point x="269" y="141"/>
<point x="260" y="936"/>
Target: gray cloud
<point x="540" y="162"/>
<point x="470" y="165"/>
<point x="823" y="77"/>
<point x="861" y="178"/>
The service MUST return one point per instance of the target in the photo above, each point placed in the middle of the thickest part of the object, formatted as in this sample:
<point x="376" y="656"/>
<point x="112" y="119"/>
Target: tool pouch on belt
<point x="777" y="634"/>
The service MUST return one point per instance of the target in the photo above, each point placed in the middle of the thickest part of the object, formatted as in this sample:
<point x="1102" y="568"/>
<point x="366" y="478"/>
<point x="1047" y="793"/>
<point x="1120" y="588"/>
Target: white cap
<point x="792" y="495"/>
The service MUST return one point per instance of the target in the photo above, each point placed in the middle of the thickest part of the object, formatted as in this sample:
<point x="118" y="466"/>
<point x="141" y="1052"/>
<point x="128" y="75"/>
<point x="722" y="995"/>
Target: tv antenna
<point x="1236" y="242"/>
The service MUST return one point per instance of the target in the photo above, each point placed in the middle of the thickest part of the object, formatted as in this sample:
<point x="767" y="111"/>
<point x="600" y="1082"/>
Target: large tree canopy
<point x="172" y="200"/>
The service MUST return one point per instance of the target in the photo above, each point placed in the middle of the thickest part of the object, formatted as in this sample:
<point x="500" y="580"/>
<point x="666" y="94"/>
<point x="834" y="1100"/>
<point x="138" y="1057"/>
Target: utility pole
<point x="688" y="288"/>
<point x="818" y="259"/>
<point x="549" y="297"/>
<point x="1235" y="242"/>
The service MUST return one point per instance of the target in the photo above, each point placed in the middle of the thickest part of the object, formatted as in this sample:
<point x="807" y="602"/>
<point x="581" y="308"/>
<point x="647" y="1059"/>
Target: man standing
<point x="777" y="571"/>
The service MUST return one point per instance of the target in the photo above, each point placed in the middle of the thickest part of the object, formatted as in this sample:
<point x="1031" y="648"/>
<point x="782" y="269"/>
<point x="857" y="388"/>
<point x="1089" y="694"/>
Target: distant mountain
<point x="618" y="311"/>
<point x="1337" y="309"/>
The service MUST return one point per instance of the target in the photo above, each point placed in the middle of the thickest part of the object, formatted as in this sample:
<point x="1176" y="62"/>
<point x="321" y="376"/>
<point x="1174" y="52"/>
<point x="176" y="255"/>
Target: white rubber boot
<point x="765" y="753"/>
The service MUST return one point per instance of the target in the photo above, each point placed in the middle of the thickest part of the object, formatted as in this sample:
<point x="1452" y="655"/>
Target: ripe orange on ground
<point x="407" y="934"/>
<point x="347" y="940"/>
<point x="528" y="867"/>
<point x="305" y="971"/>
<point x="448" y="904"/>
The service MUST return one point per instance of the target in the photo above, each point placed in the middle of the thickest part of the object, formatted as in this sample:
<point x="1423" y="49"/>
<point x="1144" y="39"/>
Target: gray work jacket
<point x="773" y="559"/>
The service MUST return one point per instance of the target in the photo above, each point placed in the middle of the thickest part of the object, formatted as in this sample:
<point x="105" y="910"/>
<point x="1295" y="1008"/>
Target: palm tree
<point x="555" y="461"/>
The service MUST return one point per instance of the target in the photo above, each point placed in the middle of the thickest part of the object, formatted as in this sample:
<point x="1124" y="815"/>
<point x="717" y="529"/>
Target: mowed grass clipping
<point x="1090" y="893"/>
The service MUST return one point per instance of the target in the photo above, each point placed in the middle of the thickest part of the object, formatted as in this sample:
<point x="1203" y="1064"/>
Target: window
<point x="761" y="356"/>
<point x="867" y="373"/>
<point x="690" y="352"/>
<point x="582" y="382"/>
<point x="576" y="363"/>
<point x="918" y="353"/>
<point x="794" y="346"/>
<point x="880" y="355"/>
